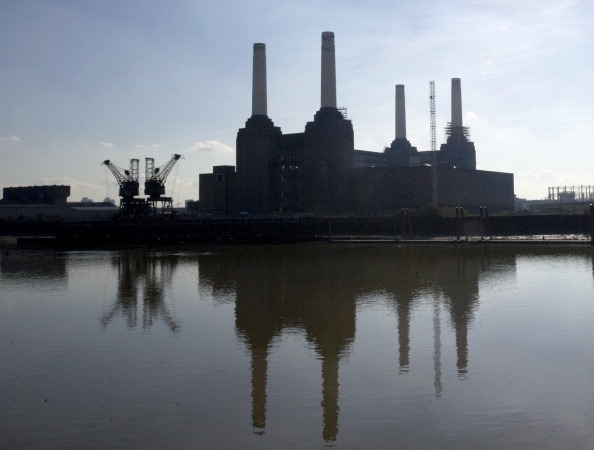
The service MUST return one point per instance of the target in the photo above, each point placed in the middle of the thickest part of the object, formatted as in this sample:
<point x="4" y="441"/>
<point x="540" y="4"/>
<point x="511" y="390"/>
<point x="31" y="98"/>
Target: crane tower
<point x="127" y="180"/>
<point x="154" y="184"/>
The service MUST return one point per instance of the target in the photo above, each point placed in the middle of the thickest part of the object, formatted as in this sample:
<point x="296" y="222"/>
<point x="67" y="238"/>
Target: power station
<point x="319" y="171"/>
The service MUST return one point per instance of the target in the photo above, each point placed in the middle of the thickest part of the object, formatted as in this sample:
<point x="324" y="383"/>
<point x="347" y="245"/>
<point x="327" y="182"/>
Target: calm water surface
<point x="301" y="346"/>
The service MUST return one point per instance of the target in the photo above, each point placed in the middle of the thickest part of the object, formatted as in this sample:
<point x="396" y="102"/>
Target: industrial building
<point x="49" y="203"/>
<point x="319" y="171"/>
<point x="28" y="195"/>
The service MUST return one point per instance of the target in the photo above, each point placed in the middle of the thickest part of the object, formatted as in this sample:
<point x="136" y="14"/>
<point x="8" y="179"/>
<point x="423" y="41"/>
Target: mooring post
<point x="488" y="222"/>
<point x="591" y="224"/>
<point x="463" y="222"/>
<point x="457" y="223"/>
<point x="409" y="225"/>
<point x="481" y="208"/>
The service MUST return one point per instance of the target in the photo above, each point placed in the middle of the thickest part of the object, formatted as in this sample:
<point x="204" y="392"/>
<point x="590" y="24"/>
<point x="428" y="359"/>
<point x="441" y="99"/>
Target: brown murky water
<point x="298" y="346"/>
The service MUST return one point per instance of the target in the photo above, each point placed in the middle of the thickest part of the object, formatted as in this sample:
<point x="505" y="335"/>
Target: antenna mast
<point x="432" y="113"/>
<point x="434" y="200"/>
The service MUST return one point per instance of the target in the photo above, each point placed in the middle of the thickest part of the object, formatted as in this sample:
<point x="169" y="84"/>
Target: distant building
<point x="569" y="198"/>
<point x="319" y="170"/>
<point x="49" y="203"/>
<point x="28" y="195"/>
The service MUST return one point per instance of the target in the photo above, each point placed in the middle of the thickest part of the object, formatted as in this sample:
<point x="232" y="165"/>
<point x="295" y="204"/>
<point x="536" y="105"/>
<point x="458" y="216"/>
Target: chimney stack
<point x="259" y="99"/>
<point x="400" y="112"/>
<point x="456" y="103"/>
<point x="328" y="71"/>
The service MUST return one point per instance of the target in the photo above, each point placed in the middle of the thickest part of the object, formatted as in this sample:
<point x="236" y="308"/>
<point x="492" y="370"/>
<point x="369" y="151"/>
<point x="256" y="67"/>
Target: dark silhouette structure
<point x="320" y="171"/>
<point x="29" y="195"/>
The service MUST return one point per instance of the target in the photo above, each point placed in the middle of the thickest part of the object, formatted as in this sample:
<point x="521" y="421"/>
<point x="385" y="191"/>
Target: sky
<point x="86" y="81"/>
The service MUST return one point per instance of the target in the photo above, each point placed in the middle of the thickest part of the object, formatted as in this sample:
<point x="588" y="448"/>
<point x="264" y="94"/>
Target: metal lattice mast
<point x="432" y="113"/>
<point x="434" y="200"/>
<point x="149" y="168"/>
<point x="134" y="169"/>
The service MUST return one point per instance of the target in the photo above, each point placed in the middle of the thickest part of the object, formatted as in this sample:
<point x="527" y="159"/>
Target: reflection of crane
<point x="154" y="184"/>
<point x="135" y="268"/>
<point x="128" y="182"/>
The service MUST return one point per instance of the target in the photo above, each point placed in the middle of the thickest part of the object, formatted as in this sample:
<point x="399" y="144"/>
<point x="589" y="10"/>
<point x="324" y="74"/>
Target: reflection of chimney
<point x="437" y="346"/>
<point x="330" y="397"/>
<point x="259" y="380"/>
<point x="400" y="112"/>
<point x="328" y="71"/>
<point x="461" y="327"/>
<point x="456" y="103"/>
<point x="403" y="334"/>
<point x="259" y="98"/>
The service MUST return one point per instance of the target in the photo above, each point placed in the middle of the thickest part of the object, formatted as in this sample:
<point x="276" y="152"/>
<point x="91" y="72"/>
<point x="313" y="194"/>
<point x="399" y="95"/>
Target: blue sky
<point x="85" y="81"/>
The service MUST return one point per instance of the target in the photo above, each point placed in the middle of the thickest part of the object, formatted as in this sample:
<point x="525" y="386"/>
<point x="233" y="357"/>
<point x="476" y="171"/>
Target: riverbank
<point x="271" y="230"/>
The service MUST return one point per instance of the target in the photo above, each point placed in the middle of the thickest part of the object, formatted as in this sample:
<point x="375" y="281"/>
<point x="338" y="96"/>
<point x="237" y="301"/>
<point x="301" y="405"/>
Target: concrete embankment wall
<point x="271" y="230"/>
<point x="428" y="226"/>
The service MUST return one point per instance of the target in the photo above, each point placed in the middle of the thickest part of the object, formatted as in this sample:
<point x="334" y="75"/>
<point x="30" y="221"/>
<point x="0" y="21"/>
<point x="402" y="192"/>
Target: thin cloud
<point x="470" y="117"/>
<point x="212" y="147"/>
<point x="107" y="144"/>
<point x="10" y="139"/>
<point x="151" y="146"/>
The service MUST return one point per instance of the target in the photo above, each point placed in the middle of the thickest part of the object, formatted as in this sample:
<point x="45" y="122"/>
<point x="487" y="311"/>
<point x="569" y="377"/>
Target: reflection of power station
<point x="299" y="288"/>
<point x="290" y="292"/>
<point x="320" y="171"/>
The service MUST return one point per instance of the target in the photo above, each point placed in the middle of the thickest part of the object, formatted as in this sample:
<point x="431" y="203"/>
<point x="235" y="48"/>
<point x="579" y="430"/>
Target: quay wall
<point x="276" y="229"/>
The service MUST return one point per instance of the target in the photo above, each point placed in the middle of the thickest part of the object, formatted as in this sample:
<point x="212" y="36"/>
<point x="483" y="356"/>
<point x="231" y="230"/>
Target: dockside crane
<point x="129" y="188"/>
<point x="154" y="184"/>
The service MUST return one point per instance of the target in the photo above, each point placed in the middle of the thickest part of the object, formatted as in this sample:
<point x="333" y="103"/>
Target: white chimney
<point x="456" y="103"/>
<point x="400" y="112"/>
<point x="259" y="99"/>
<point x="328" y="71"/>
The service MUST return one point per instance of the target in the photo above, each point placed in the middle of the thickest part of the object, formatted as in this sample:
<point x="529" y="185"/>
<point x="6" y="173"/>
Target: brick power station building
<point x="319" y="171"/>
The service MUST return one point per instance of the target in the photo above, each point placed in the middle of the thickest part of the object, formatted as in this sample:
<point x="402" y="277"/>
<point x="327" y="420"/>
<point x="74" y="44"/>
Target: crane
<point x="154" y="184"/>
<point x="127" y="180"/>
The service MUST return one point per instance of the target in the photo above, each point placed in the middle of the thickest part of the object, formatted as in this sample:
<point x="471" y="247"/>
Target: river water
<point x="298" y="346"/>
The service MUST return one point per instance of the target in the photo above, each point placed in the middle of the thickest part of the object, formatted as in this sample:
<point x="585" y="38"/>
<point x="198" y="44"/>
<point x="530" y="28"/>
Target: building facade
<point x="319" y="171"/>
